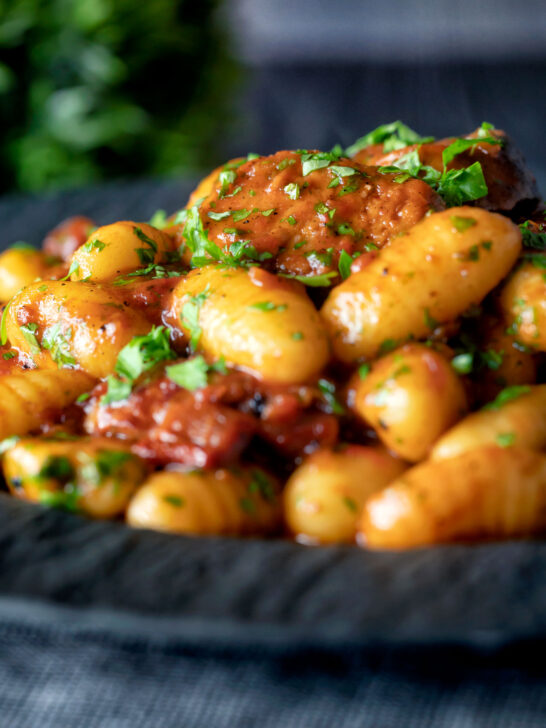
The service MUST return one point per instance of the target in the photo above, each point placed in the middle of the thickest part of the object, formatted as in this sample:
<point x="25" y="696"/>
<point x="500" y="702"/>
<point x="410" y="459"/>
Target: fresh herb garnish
<point x="57" y="342"/>
<point x="462" y="223"/>
<point x="505" y="439"/>
<point x="268" y="306"/>
<point x="344" y="264"/>
<point x="328" y="390"/>
<point x="292" y="190"/>
<point x="507" y="395"/>
<point x="138" y="356"/>
<point x="146" y="255"/>
<point x="395" y="135"/>
<point x="190" y="316"/>
<point x="29" y="334"/>
<point x="193" y="373"/>
<point x="531" y="239"/>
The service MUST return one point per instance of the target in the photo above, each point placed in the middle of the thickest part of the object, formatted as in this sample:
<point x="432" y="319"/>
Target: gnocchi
<point x="340" y="347"/>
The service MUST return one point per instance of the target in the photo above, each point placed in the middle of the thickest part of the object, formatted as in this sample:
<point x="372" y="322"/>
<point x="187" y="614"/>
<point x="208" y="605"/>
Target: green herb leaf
<point x="507" y="395"/>
<point x="505" y="439"/>
<point x="364" y="370"/>
<point x="174" y="500"/>
<point x="463" y="363"/>
<point x="462" y="223"/>
<point x="292" y="190"/>
<point x="461" y="145"/>
<point x="190" y="374"/>
<point x="29" y="334"/>
<point x="328" y="390"/>
<point x="344" y="264"/>
<point x="268" y="306"/>
<point x="219" y="215"/>
<point x="531" y="239"/>
<point x="57" y="342"/>
<point x="395" y="135"/>
<point x="323" y="279"/>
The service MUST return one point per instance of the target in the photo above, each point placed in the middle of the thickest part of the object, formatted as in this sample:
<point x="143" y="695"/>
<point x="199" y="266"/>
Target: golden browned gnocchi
<point x="490" y="492"/>
<point x="93" y="476"/>
<point x="20" y="266"/>
<point x="64" y="323"/>
<point x="324" y="496"/>
<point x="445" y="264"/>
<point x="410" y="397"/>
<point x="338" y="347"/>
<point x="119" y="248"/>
<point x="253" y="320"/>
<point x="27" y="399"/>
<point x="517" y="417"/>
<point x="523" y="303"/>
<point x="234" y="502"/>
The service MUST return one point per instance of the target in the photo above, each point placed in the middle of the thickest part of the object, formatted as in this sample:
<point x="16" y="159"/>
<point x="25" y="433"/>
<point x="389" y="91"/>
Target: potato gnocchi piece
<point x="118" y="248"/>
<point x="72" y="324"/>
<point x="254" y="320"/>
<point x="487" y="493"/>
<point x="93" y="476"/>
<point x="234" y="502"/>
<point x="410" y="397"/>
<point x="523" y="304"/>
<point x="324" y="497"/>
<point x="516" y="417"/>
<point x="27" y="399"/>
<point x="445" y="263"/>
<point x="20" y="266"/>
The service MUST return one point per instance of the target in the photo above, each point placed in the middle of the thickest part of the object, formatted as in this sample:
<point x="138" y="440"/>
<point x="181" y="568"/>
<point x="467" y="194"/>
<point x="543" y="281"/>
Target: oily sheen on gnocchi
<point x="340" y="347"/>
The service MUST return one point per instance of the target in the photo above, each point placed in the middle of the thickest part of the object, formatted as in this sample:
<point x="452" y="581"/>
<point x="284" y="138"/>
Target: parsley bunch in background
<point x="100" y="89"/>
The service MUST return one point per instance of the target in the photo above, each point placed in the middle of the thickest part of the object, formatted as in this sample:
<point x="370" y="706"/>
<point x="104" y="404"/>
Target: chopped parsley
<point x="29" y="335"/>
<point x="219" y="215"/>
<point x="463" y="363"/>
<point x="174" y="500"/>
<point x="106" y="464"/>
<point x="350" y="504"/>
<point x="328" y="390"/>
<point x="146" y="255"/>
<point x="505" y="439"/>
<point x="57" y="342"/>
<point x="139" y="355"/>
<point x="292" y="190"/>
<point x="94" y="245"/>
<point x="364" y="370"/>
<point x="297" y="336"/>
<point x="507" y="395"/>
<point x="190" y="316"/>
<point x="344" y="264"/>
<point x="193" y="373"/>
<point x="268" y="306"/>
<point x="531" y="239"/>
<point x="462" y="223"/>
<point x="8" y="355"/>
<point x="158" y="219"/>
<point x="311" y="161"/>
<point x="395" y="135"/>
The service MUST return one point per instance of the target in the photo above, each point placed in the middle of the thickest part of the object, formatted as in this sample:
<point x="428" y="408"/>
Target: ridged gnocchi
<point x="93" y="476"/>
<point x="445" y="264"/>
<point x="487" y="493"/>
<point x="232" y="502"/>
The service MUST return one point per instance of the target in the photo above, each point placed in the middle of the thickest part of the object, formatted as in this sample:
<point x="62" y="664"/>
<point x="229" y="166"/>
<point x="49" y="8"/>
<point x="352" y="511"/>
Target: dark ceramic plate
<point x="248" y="591"/>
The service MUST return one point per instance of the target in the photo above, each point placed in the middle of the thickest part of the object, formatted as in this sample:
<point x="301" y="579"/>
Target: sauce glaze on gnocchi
<point x="340" y="347"/>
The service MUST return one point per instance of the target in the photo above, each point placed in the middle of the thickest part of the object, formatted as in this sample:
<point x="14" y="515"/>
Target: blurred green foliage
<point x="95" y="89"/>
